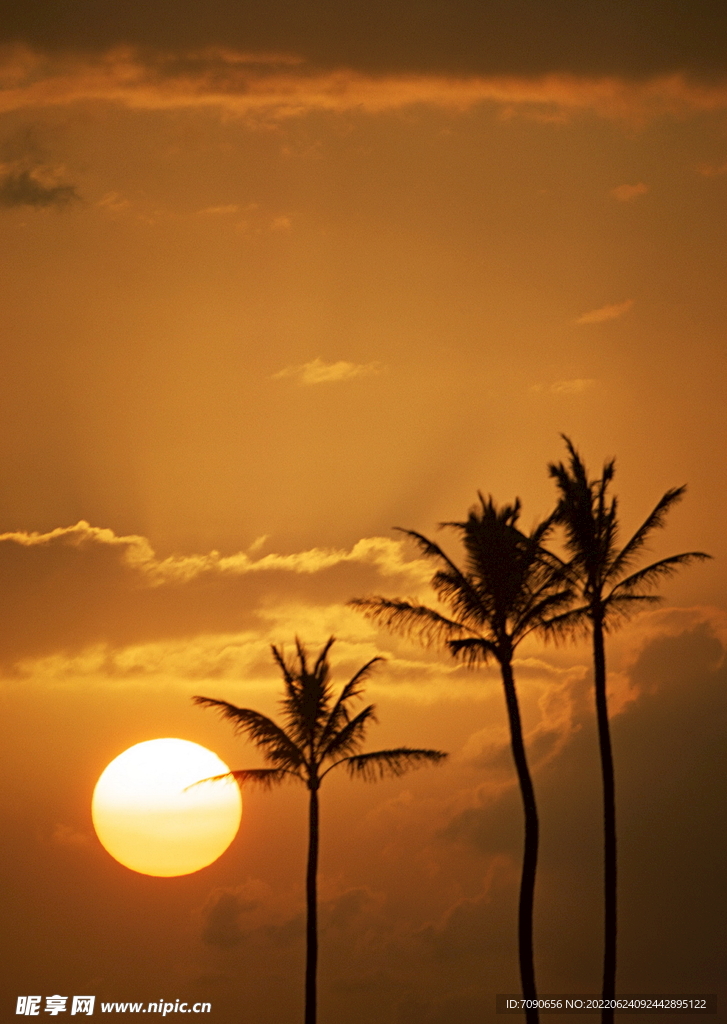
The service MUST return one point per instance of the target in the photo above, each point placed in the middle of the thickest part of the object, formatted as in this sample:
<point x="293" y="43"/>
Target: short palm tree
<point x="320" y="735"/>
<point x="510" y="587"/>
<point x="598" y="567"/>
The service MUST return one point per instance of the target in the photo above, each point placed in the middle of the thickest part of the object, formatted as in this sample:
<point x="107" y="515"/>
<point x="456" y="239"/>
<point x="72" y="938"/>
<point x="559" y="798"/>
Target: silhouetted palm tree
<point x="598" y="567"/>
<point x="510" y="587"/>
<point x="320" y="735"/>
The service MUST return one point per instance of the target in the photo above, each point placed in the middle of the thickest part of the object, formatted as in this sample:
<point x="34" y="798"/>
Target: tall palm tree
<point x="320" y="735"/>
<point x="509" y="588"/>
<point x="598" y="567"/>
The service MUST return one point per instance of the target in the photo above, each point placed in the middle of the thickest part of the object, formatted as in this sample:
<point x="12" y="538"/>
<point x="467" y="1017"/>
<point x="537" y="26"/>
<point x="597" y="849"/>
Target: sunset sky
<point x="276" y="278"/>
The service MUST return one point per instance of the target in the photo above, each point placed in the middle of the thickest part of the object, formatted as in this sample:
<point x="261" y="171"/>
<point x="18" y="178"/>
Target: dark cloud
<point x="634" y="37"/>
<point x="22" y="188"/>
<point x="669" y="755"/>
<point x="222" y="919"/>
<point x="28" y="176"/>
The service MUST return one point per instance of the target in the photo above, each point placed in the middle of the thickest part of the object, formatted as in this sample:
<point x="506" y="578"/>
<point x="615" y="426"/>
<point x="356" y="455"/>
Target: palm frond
<point x="656" y="520"/>
<point x="428" y="547"/>
<point x="275" y="744"/>
<point x="291" y="681"/>
<point x="590" y="525"/>
<point x="320" y="669"/>
<point x="449" y="577"/>
<point x="302" y="656"/>
<point x="537" y="612"/>
<point x="347" y="739"/>
<point x="511" y="584"/>
<point x="353" y="686"/>
<point x="288" y="673"/>
<point x="473" y="650"/>
<point x="651" y="574"/>
<point x="307" y="693"/>
<point x="409" y="618"/>
<point x="386" y="763"/>
<point x="508" y="572"/>
<point x="572" y="623"/>
<point x="623" y="606"/>
<point x="265" y="777"/>
<point x="471" y="602"/>
<point x="540" y="531"/>
<point x="339" y="713"/>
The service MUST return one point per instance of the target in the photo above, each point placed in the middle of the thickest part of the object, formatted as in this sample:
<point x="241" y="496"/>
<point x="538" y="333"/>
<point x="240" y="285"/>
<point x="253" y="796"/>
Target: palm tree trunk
<point x="311" y="930"/>
<point x="530" y="852"/>
<point x="609" y="817"/>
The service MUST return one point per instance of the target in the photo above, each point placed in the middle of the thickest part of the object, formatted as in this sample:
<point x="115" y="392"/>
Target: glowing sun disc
<point x="148" y="820"/>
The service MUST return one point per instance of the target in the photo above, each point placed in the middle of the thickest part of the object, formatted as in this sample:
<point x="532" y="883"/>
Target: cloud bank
<point x="85" y="600"/>
<point x="280" y="86"/>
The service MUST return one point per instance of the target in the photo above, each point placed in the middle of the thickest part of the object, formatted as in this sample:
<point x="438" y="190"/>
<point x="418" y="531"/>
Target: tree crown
<point x="510" y="586"/>
<point x="321" y="730"/>
<point x="598" y="567"/>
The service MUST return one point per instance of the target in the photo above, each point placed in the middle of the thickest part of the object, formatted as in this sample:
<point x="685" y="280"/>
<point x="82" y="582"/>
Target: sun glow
<point x="147" y="818"/>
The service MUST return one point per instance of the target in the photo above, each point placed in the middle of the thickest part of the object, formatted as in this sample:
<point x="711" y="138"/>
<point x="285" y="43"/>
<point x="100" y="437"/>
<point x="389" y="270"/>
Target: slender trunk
<point x="609" y="817"/>
<point x="311" y="929"/>
<point x="530" y="851"/>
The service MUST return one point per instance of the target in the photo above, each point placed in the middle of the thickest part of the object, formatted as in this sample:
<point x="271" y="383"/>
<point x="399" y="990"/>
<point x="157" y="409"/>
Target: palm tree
<point x="320" y="735"/>
<point x="598" y="568"/>
<point x="509" y="588"/>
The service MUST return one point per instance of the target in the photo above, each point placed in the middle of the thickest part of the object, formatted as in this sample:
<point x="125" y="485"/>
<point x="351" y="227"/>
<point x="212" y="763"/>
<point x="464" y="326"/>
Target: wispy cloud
<point x="318" y="372"/>
<point x="281" y="223"/>
<point x="227" y="210"/>
<point x="28" y="174"/>
<point x="281" y="86"/>
<point x="66" y="835"/>
<point x="604" y="313"/>
<point x="114" y="203"/>
<point x="565" y="387"/>
<point x="572" y="387"/>
<point x="22" y="186"/>
<point x="712" y="170"/>
<point x="627" y="193"/>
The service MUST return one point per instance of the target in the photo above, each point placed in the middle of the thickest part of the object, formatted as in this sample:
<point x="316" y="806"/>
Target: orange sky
<point x="271" y="287"/>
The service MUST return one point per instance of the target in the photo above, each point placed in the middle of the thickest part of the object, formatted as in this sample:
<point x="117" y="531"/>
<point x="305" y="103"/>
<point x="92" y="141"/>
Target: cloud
<point x="554" y="700"/>
<point x="712" y="170"/>
<point x="224" y="910"/>
<point x="572" y="387"/>
<point x="21" y="186"/>
<point x="279" y="86"/>
<point x="318" y="372"/>
<point x="476" y="928"/>
<point x="113" y="203"/>
<point x="66" y="835"/>
<point x="82" y="600"/>
<point x="604" y="313"/>
<point x="253" y="913"/>
<point x="565" y="387"/>
<point x="671" y="654"/>
<point x="227" y="210"/>
<point x="85" y="607"/>
<point x="627" y="193"/>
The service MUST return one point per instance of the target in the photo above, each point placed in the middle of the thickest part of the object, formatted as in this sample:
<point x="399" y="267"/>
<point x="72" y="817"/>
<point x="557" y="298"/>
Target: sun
<point x="148" y="820"/>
